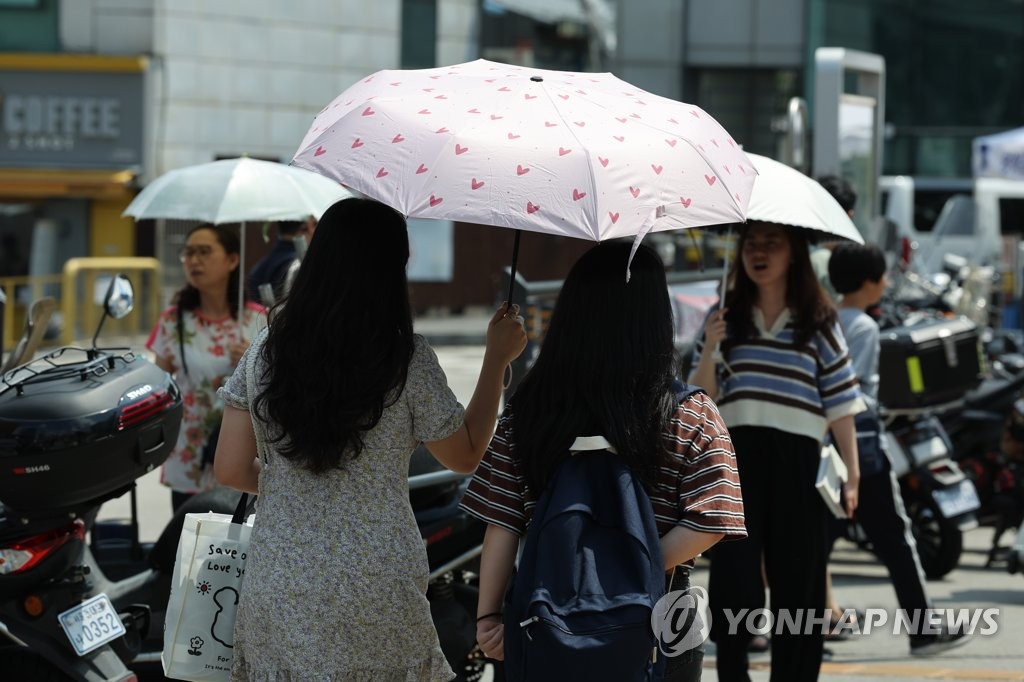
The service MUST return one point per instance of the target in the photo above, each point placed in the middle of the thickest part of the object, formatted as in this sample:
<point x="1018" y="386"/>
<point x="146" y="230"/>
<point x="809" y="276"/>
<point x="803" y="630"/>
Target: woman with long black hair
<point x="323" y="415"/>
<point x="782" y="380"/>
<point x="607" y="368"/>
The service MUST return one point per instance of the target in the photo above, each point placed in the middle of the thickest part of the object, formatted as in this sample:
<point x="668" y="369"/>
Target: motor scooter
<point x="85" y="600"/>
<point x="940" y="500"/>
<point x="78" y="426"/>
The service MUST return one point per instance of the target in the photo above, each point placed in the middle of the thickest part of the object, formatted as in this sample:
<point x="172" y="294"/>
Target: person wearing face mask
<point x="782" y="379"/>
<point x="199" y="340"/>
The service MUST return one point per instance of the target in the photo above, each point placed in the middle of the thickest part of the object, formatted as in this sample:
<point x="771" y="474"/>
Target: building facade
<point x="953" y="69"/>
<point x="102" y="96"/>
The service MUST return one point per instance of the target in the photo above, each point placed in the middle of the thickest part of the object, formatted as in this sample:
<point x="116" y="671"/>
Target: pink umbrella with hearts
<point x="582" y="155"/>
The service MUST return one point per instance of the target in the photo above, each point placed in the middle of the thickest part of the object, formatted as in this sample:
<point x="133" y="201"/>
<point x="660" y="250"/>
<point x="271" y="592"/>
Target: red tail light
<point x="138" y="412"/>
<point x="906" y="250"/>
<point x="26" y="553"/>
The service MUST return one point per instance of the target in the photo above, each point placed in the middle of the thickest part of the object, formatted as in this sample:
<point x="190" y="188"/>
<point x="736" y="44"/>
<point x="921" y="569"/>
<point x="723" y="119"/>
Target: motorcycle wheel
<point x="939" y="540"/>
<point x="25" y="665"/>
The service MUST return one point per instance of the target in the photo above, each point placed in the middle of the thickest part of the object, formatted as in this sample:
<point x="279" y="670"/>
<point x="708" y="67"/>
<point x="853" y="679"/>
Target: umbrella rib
<point x="672" y="133"/>
<point x="586" y="150"/>
<point x="728" y="190"/>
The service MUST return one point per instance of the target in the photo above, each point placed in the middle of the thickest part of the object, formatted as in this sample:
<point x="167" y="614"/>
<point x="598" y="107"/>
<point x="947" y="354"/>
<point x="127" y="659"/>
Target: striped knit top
<point x="697" y="485"/>
<point x="769" y="381"/>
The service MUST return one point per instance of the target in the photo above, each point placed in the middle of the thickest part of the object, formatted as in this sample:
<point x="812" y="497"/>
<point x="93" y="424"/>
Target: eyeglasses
<point x="201" y="252"/>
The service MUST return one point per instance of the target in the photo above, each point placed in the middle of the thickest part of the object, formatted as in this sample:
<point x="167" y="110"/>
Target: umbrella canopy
<point x="785" y="195"/>
<point x="236" y="191"/>
<point x="575" y="154"/>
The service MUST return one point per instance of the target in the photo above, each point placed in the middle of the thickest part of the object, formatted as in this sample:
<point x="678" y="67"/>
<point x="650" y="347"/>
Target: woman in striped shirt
<point x="784" y="378"/>
<point x="606" y="368"/>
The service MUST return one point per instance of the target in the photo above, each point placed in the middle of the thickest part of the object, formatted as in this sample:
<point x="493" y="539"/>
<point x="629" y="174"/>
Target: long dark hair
<point x="339" y="347"/>
<point x="808" y="302"/>
<point x="187" y="297"/>
<point x="605" y="367"/>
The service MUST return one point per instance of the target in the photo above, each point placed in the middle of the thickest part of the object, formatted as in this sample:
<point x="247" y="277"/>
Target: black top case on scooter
<point x="929" y="364"/>
<point x="73" y="437"/>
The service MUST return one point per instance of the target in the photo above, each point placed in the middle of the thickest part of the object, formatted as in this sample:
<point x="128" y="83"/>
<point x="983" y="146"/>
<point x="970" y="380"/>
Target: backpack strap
<point x="683" y="390"/>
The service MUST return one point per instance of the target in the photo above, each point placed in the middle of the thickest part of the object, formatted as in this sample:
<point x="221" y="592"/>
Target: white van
<point x="935" y="216"/>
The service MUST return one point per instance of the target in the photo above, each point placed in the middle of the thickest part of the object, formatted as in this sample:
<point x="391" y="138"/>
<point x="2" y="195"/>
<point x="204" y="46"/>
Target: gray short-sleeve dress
<point x="335" y="584"/>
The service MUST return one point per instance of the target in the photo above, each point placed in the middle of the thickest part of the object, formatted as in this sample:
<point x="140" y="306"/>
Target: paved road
<point x="859" y="582"/>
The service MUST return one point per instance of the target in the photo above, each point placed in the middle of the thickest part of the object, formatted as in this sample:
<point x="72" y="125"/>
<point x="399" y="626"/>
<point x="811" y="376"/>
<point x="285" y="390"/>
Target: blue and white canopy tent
<point x="1000" y="155"/>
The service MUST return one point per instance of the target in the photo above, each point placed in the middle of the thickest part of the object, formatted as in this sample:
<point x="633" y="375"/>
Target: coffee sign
<point x="70" y="119"/>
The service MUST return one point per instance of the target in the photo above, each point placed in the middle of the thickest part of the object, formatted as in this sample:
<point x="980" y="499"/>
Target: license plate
<point x="957" y="500"/>
<point x="91" y="624"/>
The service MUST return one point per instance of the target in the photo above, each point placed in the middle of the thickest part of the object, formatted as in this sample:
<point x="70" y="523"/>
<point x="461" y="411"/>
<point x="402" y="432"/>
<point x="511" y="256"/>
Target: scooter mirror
<point x="120" y="298"/>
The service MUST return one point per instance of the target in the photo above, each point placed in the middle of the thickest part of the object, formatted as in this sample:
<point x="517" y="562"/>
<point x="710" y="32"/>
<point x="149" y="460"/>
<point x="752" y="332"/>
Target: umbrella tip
<point x="537" y="79"/>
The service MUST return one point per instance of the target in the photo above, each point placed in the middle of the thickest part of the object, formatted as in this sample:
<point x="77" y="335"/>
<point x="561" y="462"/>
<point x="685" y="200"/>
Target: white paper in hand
<point x="831" y="476"/>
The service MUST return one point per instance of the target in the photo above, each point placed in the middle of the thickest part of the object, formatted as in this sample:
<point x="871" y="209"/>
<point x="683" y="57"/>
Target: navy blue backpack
<point x="591" y="572"/>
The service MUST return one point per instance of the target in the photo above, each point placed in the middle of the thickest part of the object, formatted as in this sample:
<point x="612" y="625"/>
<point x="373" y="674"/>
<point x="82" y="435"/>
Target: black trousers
<point x="786" y="526"/>
<point x="881" y="514"/>
<point x="687" y="666"/>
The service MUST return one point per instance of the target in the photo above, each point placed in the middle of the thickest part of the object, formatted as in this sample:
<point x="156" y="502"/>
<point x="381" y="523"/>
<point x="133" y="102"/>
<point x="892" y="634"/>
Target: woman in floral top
<point x="213" y="339"/>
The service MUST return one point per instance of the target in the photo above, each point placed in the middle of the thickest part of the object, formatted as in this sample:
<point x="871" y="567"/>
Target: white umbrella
<point x="786" y="196"/>
<point x="237" y="191"/>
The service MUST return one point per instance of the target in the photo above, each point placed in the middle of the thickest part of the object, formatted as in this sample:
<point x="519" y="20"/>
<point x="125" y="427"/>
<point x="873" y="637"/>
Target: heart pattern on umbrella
<point x="593" y="162"/>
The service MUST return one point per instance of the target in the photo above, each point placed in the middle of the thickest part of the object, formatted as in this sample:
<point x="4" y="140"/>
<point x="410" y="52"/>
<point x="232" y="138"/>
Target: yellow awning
<point x="69" y="61"/>
<point x="38" y="183"/>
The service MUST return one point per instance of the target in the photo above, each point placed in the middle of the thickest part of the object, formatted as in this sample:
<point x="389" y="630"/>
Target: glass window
<point x="419" y="34"/>
<point x="745" y="101"/>
<point x="29" y="26"/>
<point x="1011" y="216"/>
<point x="953" y="72"/>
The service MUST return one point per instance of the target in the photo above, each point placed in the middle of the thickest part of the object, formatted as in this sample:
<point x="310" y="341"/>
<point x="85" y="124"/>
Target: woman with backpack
<point x="782" y="379"/>
<point x="606" y="368"/>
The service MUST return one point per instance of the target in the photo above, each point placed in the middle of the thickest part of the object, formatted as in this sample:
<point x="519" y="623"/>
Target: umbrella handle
<point x="717" y="353"/>
<point x="507" y="376"/>
<point x="512" y="275"/>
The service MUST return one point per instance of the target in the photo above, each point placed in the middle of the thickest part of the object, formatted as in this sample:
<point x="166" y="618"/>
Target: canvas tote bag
<point x="208" y="571"/>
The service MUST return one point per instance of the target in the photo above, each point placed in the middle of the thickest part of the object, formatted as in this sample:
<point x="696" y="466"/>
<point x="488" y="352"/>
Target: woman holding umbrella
<point x="199" y="339"/>
<point x="323" y="415"/>
<point x="784" y="379"/>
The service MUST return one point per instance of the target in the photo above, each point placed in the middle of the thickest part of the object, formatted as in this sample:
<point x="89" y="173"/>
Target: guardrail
<point x="78" y="289"/>
<point x="84" y="284"/>
<point x="20" y="292"/>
